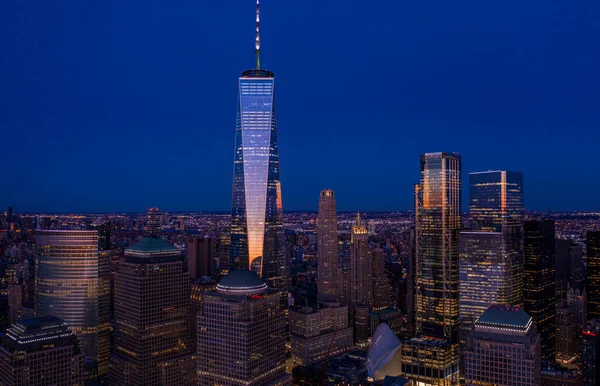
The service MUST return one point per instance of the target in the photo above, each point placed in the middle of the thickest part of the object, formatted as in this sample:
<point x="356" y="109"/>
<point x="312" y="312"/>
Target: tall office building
<point x="257" y="241"/>
<point x="40" y="352"/>
<point x="590" y="354"/>
<point x="70" y="284"/>
<point x="485" y="276"/>
<point x="567" y="350"/>
<point x="381" y="285"/>
<point x="437" y="228"/>
<point x="503" y="349"/>
<point x="329" y="270"/>
<point x="540" y="283"/>
<point x="201" y="257"/>
<point x="593" y="275"/>
<point x="496" y="205"/>
<point x="241" y="331"/>
<point x="151" y="333"/>
<point x="153" y="222"/>
<point x="361" y="266"/>
<point x="104" y="294"/>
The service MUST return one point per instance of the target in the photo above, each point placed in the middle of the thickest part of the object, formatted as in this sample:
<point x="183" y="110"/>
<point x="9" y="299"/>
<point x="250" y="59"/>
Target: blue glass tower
<point x="257" y="217"/>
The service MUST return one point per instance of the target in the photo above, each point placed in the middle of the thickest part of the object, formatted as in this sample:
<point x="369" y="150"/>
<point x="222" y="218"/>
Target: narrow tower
<point x="257" y="217"/>
<point x="329" y="270"/>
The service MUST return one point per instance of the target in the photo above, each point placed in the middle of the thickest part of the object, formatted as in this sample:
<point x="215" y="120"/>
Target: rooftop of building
<point x="150" y="245"/>
<point x="502" y="316"/>
<point x="241" y="282"/>
<point x="152" y="250"/>
<point x="35" y="334"/>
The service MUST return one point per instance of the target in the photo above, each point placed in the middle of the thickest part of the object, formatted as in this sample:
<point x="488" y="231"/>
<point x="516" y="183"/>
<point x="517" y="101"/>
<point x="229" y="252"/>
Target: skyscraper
<point x="437" y="228"/>
<point x="329" y="271"/>
<point x="241" y="334"/>
<point x="590" y="353"/>
<point x="361" y="265"/>
<point x="153" y="221"/>
<point x="40" y="352"/>
<point x="567" y="350"/>
<point x="68" y="276"/>
<point x="381" y="284"/>
<point x="151" y="335"/>
<point x="540" y="283"/>
<point x="503" y="349"/>
<point x="104" y="293"/>
<point x="593" y="275"/>
<point x="484" y="276"/>
<point x="257" y="241"/>
<point x="496" y="205"/>
<point x="201" y="257"/>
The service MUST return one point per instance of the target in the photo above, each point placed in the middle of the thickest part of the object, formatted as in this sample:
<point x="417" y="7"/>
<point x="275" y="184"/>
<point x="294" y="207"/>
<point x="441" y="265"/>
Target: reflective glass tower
<point x="257" y="217"/>
<point x="496" y="205"/>
<point x="68" y="275"/>
<point x="437" y="227"/>
<point x="539" y="280"/>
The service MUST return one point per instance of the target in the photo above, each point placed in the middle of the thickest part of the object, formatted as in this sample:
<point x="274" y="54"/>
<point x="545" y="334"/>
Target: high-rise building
<point x="485" y="276"/>
<point x="153" y="222"/>
<point x="593" y="274"/>
<point x="152" y="298"/>
<point x="329" y="270"/>
<point x="361" y="265"/>
<point x="381" y="284"/>
<point x="567" y="350"/>
<point x="241" y="331"/>
<point x="224" y="253"/>
<point x="201" y="257"/>
<point x="496" y="205"/>
<point x="540" y="283"/>
<point x="590" y="354"/>
<point x="257" y="241"/>
<point x="40" y="352"/>
<point x="437" y="228"/>
<point x="104" y="294"/>
<point x="577" y="299"/>
<point x="70" y="285"/>
<point x="361" y="320"/>
<point x="570" y="270"/>
<point x="199" y="288"/>
<point x="319" y="333"/>
<point x="503" y="349"/>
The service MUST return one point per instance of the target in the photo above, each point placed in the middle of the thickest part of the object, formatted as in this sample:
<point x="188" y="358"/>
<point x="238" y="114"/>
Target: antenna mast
<point x="257" y="42"/>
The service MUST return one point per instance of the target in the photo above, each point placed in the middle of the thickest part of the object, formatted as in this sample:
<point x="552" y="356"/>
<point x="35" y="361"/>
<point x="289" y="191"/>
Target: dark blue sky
<point x="119" y="105"/>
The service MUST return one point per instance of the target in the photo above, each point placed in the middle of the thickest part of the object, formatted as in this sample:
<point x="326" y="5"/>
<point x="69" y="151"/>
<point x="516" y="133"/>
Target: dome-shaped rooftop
<point x="242" y="282"/>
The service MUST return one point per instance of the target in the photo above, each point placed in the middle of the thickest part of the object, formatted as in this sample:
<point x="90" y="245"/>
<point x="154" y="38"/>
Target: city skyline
<point x="104" y="98"/>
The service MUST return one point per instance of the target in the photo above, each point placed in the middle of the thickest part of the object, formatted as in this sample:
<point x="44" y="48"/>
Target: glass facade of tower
<point x="484" y="273"/>
<point x="438" y="223"/>
<point x="496" y="205"/>
<point x="496" y="200"/>
<point x="67" y="286"/>
<point x="540" y="281"/>
<point x="257" y="218"/>
<point x="437" y="228"/>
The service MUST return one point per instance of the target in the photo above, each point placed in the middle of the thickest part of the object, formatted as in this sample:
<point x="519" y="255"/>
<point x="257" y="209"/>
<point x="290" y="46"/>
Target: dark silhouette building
<point x="593" y="275"/>
<point x="540" y="282"/>
<point x="201" y="257"/>
<point x="40" y="352"/>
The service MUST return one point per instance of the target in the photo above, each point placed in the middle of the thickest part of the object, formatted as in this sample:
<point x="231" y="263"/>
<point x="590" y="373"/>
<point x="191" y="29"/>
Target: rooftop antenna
<point x="257" y="42"/>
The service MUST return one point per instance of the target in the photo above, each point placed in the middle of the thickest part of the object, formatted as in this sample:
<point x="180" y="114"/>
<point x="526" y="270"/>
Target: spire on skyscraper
<point x="257" y="41"/>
